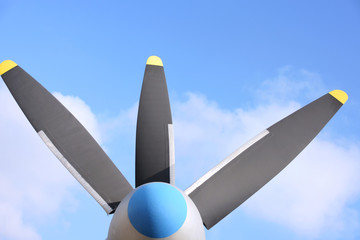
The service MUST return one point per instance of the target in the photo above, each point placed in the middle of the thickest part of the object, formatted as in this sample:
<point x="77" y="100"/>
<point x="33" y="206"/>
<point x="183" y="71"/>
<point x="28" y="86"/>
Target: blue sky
<point x="233" y="68"/>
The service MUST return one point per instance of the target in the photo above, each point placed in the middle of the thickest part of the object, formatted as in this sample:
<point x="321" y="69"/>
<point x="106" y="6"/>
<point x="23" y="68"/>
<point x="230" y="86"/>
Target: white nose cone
<point x="156" y="211"/>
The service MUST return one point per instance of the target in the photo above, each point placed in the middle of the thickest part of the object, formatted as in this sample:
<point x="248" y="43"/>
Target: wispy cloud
<point x="312" y="195"/>
<point x="291" y="84"/>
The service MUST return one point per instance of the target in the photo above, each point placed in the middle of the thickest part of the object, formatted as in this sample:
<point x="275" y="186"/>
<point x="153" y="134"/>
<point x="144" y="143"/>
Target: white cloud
<point x="312" y="196"/>
<point x="33" y="183"/>
<point x="205" y="134"/>
<point x="290" y="84"/>
<point x="11" y="218"/>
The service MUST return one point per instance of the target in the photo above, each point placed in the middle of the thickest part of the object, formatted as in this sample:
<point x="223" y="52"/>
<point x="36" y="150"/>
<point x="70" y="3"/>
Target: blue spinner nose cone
<point x="157" y="210"/>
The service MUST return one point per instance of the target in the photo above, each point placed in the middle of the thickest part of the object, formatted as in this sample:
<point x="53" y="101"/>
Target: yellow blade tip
<point x="6" y="66"/>
<point x="339" y="95"/>
<point x="154" y="60"/>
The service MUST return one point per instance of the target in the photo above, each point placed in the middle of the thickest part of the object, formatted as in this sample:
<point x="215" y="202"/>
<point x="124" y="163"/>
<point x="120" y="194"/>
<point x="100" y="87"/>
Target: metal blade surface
<point x="154" y="132"/>
<point x="67" y="138"/>
<point x="250" y="167"/>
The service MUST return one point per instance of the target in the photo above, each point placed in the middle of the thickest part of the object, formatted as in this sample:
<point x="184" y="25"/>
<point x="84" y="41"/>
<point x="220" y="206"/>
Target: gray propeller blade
<point x="67" y="138"/>
<point x="154" y="132"/>
<point x="250" y="167"/>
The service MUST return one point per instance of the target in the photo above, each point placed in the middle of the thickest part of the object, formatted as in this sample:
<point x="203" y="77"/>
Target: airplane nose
<point x="157" y="210"/>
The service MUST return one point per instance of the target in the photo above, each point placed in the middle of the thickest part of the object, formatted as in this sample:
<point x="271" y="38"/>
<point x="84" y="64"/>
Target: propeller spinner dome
<point x="156" y="211"/>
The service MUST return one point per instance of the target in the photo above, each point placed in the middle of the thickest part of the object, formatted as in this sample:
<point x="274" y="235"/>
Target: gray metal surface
<point x="229" y="185"/>
<point x="152" y="132"/>
<point x="68" y="139"/>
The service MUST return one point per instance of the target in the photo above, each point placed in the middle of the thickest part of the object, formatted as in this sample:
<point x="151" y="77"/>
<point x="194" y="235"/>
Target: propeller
<point x="154" y="132"/>
<point x="156" y="208"/>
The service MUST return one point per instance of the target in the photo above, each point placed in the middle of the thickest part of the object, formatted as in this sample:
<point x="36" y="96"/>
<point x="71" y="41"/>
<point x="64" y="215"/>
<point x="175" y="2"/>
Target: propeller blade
<point x="67" y="138"/>
<point x="154" y="133"/>
<point x="250" y="167"/>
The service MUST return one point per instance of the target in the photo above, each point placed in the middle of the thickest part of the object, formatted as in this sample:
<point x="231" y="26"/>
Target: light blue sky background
<point x="223" y="59"/>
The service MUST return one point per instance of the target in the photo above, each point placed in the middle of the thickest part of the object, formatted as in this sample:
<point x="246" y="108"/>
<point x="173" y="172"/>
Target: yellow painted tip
<point x="339" y="95"/>
<point x="6" y="66"/>
<point x="154" y="60"/>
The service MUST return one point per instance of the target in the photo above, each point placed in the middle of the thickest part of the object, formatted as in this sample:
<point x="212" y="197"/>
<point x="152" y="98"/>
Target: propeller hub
<point x="157" y="210"/>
